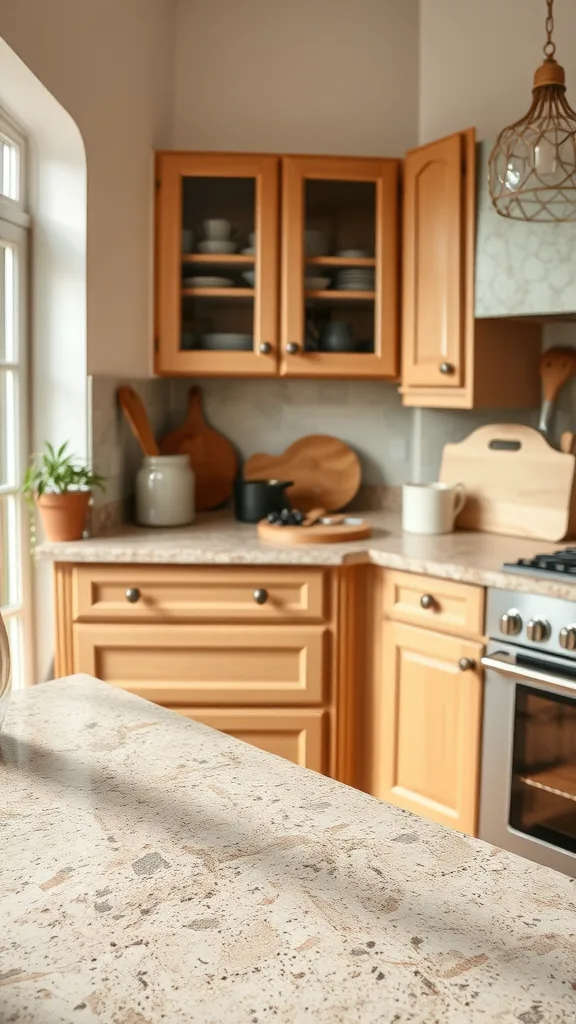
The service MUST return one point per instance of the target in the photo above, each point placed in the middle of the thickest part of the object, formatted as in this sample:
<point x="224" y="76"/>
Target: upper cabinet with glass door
<point x="216" y="264"/>
<point x="339" y="267"/>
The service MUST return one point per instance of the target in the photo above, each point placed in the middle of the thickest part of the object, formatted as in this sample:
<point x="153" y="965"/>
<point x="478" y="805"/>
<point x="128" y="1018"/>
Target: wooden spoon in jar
<point x="135" y="413"/>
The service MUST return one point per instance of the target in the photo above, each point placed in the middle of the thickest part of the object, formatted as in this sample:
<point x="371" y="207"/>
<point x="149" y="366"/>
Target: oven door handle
<point x="506" y="665"/>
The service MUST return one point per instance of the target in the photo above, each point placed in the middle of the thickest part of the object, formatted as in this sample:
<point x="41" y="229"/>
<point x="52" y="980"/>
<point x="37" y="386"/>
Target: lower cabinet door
<point x="299" y="736"/>
<point x="427" y="725"/>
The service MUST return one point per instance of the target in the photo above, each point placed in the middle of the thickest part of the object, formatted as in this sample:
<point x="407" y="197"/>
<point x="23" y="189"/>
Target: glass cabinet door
<point x="339" y="267"/>
<point x="216" y="264"/>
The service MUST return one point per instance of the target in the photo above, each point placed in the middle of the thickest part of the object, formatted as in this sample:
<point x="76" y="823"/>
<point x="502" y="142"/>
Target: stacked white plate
<point x="355" y="279"/>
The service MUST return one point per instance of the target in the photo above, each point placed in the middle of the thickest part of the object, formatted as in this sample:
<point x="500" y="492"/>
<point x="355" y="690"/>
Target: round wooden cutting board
<point x="351" y="528"/>
<point x="326" y="472"/>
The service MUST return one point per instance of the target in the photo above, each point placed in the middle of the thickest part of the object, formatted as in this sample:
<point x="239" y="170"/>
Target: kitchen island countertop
<point x="154" y="870"/>
<point x="218" y="539"/>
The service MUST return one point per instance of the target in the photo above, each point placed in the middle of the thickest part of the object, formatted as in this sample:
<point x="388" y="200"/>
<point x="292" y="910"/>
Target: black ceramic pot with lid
<point x="254" y="499"/>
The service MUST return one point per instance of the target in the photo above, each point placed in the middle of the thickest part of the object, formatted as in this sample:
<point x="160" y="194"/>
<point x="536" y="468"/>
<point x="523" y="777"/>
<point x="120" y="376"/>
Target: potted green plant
<point x="61" y="488"/>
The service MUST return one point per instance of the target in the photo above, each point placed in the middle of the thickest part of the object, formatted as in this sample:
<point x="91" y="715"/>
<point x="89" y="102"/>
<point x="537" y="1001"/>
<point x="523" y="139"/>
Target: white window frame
<point x="14" y="222"/>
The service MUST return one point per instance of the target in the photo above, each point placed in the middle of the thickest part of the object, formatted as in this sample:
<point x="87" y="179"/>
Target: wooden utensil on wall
<point x="134" y="411"/>
<point x="557" y="366"/>
<point x="516" y="483"/>
<point x="326" y="472"/>
<point x="212" y="456"/>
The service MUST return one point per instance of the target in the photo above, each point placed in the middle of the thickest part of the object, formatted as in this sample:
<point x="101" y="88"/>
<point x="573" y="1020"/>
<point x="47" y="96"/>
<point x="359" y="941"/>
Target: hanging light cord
<point x="549" y="45"/>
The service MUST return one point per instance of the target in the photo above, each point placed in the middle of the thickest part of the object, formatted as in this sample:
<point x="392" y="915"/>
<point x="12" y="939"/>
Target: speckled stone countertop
<point x="154" y="870"/>
<point x="217" y="539"/>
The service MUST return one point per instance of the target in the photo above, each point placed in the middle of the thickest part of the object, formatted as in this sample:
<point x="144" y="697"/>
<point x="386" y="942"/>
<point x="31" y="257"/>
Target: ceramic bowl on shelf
<point x="208" y="282"/>
<point x="217" y="230"/>
<point x="248" y="251"/>
<point x="252" y="239"/>
<point x="316" y="284"/>
<point x="226" y="342"/>
<point x="250" y="277"/>
<point x="353" y="254"/>
<point x="216" y="248"/>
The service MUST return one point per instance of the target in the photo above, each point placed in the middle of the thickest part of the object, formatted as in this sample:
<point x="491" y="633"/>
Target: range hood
<point x="522" y="268"/>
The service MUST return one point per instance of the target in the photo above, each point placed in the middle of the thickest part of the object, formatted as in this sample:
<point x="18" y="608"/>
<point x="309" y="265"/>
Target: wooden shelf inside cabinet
<point x="345" y="296"/>
<point x="341" y="261"/>
<point x="219" y="293"/>
<point x="230" y="260"/>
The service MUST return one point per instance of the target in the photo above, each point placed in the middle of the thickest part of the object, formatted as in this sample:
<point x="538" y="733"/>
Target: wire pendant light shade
<point x="532" y="168"/>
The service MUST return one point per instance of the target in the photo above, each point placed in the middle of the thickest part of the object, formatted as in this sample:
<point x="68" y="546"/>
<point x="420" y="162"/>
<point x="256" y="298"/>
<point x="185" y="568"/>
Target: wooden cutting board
<point x="212" y="456"/>
<point x="351" y="528"/>
<point x="516" y="483"/>
<point x="325" y="471"/>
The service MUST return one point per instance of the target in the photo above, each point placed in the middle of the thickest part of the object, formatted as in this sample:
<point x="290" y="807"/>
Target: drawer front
<point x="207" y="664"/>
<point x="179" y="593"/>
<point x="299" y="736"/>
<point x="443" y="605"/>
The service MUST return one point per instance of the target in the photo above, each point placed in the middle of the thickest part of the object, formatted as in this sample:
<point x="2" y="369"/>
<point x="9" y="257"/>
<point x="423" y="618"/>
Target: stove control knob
<point x="511" y="622"/>
<point x="538" y="630"/>
<point x="568" y="638"/>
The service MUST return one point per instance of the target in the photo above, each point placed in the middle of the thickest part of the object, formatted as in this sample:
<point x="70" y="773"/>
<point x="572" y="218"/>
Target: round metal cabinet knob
<point x="132" y="595"/>
<point x="511" y="622"/>
<point x="538" y="630"/>
<point x="265" y="348"/>
<point x="466" y="664"/>
<point x="260" y="596"/>
<point x="292" y="348"/>
<point x="568" y="638"/>
<point x="447" y="368"/>
<point x="427" y="601"/>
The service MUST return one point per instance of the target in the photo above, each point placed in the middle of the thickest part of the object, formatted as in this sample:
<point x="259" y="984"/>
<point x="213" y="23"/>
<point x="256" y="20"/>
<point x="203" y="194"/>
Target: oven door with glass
<point x="528" y="774"/>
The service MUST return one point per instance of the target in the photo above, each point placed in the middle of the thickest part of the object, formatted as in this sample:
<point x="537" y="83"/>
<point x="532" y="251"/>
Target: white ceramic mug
<point x="431" y="508"/>
<point x="217" y="230"/>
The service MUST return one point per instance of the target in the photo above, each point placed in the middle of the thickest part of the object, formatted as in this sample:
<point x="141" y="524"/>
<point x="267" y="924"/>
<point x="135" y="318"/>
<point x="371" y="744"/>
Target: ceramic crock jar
<point x="165" y="491"/>
<point x="4" y="671"/>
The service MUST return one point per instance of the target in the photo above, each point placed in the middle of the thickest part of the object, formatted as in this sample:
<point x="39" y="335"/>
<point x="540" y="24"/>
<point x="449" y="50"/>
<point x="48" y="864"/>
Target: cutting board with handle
<point x="516" y="483"/>
<point x="326" y="472"/>
<point x="212" y="456"/>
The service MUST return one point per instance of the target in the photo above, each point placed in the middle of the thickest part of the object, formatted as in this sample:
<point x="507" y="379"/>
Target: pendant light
<point x="532" y="168"/>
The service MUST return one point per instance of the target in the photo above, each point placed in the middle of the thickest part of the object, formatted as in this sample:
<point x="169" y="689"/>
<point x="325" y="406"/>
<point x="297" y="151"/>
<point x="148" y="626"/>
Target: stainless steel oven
<point x="528" y="773"/>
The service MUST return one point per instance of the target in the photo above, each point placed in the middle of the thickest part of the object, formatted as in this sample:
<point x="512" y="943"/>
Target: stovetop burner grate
<point x="558" y="563"/>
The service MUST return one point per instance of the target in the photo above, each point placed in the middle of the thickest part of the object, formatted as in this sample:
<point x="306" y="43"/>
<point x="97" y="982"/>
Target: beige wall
<point x="478" y="57"/>
<point x="314" y="76"/>
<point x="108" y="62"/>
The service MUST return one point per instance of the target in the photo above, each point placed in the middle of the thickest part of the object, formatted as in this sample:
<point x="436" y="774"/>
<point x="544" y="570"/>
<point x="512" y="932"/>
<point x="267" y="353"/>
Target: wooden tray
<point x="286" y="536"/>
<point x="516" y="483"/>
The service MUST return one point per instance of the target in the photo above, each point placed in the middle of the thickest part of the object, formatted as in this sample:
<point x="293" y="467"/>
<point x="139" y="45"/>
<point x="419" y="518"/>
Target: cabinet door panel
<point x="207" y="664"/>
<point x="339" y="266"/>
<point x="428" y="725"/>
<point x="435" y="253"/>
<point x="203" y="296"/>
<point x="299" y="736"/>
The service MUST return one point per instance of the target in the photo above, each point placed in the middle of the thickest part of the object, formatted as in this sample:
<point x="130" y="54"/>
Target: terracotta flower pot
<point x="64" y="515"/>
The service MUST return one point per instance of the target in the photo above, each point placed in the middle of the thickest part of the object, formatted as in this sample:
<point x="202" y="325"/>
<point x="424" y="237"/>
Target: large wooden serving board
<point x="516" y="483"/>
<point x="211" y="455"/>
<point x="325" y="471"/>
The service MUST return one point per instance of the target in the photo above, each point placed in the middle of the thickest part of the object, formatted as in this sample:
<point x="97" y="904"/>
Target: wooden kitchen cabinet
<point x="339" y="227"/>
<point x="428" y="719"/>
<point x="241" y="313"/>
<point x="299" y="736"/>
<point x="449" y="359"/>
<point x="275" y="300"/>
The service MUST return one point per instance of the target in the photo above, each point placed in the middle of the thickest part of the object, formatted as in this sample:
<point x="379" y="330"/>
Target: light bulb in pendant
<point x="545" y="160"/>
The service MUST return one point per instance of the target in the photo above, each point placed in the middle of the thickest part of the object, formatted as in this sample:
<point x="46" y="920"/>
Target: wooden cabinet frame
<point x="296" y="170"/>
<point x="170" y="359"/>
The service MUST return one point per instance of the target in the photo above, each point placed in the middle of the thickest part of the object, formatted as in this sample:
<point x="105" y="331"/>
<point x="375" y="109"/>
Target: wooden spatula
<point x="135" y="413"/>
<point x="557" y="366"/>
